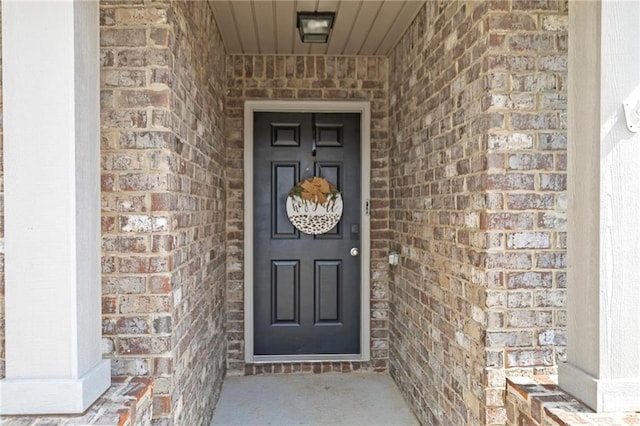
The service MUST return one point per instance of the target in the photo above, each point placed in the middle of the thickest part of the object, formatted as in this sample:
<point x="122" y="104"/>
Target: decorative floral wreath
<point x="314" y="206"/>
<point x="315" y="189"/>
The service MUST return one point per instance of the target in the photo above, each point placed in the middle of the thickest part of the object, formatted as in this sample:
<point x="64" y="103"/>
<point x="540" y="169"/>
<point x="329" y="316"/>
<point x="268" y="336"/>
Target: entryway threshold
<point x="319" y="399"/>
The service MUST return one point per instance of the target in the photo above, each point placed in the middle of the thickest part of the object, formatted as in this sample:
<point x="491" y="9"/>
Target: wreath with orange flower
<point x="314" y="205"/>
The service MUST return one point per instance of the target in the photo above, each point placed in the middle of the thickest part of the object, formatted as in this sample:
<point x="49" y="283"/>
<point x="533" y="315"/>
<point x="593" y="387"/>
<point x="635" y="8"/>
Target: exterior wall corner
<point x="478" y="199"/>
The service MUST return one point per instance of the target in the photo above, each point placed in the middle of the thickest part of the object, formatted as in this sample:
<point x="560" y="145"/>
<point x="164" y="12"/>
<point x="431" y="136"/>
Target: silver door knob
<point x="354" y="252"/>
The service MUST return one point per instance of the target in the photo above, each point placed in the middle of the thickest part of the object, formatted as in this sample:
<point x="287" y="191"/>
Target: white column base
<point x="622" y="395"/>
<point x="54" y="396"/>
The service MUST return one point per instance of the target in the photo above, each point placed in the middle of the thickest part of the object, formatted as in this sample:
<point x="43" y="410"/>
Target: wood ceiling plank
<point x="409" y="11"/>
<point x="243" y="15"/>
<point x="226" y="25"/>
<point x="265" y="28"/>
<point x="381" y="25"/>
<point x="345" y="18"/>
<point x="269" y="26"/>
<point x="306" y="5"/>
<point x="363" y="23"/>
<point x="285" y="20"/>
<point x="327" y="5"/>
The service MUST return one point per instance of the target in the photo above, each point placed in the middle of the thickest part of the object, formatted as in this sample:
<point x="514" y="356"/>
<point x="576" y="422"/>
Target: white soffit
<point x="362" y="27"/>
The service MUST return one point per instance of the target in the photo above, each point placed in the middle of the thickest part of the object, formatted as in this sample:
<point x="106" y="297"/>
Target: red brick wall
<point x="164" y="203"/>
<point x="477" y="203"/>
<point x="319" y="78"/>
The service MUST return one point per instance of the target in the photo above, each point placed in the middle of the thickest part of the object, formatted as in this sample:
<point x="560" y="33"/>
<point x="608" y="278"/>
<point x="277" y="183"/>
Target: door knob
<point x="354" y="252"/>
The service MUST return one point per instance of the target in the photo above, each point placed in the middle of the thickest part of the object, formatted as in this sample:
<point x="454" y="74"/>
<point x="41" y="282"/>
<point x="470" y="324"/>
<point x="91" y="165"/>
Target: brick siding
<point x="163" y="202"/>
<point x="525" y="219"/>
<point x="308" y="78"/>
<point x="477" y="199"/>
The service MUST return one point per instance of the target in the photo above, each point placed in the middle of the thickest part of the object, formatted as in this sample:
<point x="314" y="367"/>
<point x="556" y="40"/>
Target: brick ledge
<point x="127" y="402"/>
<point x="538" y="400"/>
<point x="311" y="367"/>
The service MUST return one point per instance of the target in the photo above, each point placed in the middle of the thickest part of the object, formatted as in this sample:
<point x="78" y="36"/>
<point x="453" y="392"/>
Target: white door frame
<point x="364" y="108"/>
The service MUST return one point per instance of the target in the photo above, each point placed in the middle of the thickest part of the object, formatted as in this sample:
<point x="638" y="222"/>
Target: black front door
<point x="306" y="287"/>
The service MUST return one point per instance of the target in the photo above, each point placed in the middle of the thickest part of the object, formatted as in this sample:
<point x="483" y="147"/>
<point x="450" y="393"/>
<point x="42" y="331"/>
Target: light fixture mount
<point x="314" y="27"/>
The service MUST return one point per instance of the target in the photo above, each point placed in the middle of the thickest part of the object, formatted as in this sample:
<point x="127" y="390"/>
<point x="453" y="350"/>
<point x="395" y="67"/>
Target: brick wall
<point x="525" y="218"/>
<point x="319" y="78"/>
<point x="163" y="202"/>
<point x="438" y="173"/>
<point x="199" y="280"/>
<point x="477" y="203"/>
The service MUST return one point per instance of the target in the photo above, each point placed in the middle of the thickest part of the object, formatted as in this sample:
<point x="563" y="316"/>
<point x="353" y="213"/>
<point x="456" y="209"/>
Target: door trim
<point x="364" y="108"/>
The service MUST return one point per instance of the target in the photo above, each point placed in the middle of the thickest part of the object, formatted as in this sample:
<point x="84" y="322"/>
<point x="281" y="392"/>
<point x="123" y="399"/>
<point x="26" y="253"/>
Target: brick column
<point x="52" y="215"/>
<point x="603" y="356"/>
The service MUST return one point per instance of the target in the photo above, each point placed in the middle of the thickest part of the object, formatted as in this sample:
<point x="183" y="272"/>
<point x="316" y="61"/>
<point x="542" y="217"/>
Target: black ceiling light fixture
<point x="314" y="27"/>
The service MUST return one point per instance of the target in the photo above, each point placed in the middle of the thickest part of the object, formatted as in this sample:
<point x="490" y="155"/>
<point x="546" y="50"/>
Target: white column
<point x="50" y="54"/>
<point x="603" y="366"/>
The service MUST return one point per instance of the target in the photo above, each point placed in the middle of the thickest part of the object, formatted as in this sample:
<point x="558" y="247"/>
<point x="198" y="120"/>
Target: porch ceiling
<point x="362" y="27"/>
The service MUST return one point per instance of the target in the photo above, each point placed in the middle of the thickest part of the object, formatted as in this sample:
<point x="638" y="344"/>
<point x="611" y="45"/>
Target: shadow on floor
<point x="323" y="399"/>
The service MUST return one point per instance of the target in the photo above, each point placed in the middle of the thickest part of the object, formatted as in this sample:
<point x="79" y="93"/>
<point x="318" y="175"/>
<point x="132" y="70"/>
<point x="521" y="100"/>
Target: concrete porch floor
<point x="318" y="399"/>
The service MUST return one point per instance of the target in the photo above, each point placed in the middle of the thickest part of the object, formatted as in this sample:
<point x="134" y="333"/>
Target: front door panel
<point x="306" y="288"/>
